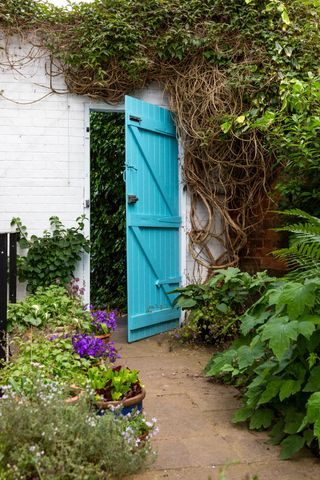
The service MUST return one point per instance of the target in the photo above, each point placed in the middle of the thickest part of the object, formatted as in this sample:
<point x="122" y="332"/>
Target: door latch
<point x="132" y="199"/>
<point x="133" y="118"/>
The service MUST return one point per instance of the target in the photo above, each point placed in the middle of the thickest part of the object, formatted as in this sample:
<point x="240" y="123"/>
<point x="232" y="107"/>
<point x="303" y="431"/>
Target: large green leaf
<point x="219" y="361"/>
<point x="297" y="297"/>
<point x="291" y="445"/>
<point x="185" y="302"/>
<point x="261" y="418"/>
<point x="242" y="414"/>
<point x="248" y="355"/>
<point x="313" y="408"/>
<point x="252" y="320"/>
<point x="293" y="421"/>
<point x="280" y="332"/>
<point x="277" y="433"/>
<point x="288" y="388"/>
<point x="306" y="329"/>
<point x="271" y="391"/>
<point x="313" y="384"/>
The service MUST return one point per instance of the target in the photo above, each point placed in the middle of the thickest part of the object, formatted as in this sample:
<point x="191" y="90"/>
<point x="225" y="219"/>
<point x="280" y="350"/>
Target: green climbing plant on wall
<point x="107" y="222"/>
<point x="243" y="81"/>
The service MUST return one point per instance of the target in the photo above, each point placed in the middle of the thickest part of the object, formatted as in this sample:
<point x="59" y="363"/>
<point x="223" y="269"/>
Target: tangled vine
<point x="242" y="78"/>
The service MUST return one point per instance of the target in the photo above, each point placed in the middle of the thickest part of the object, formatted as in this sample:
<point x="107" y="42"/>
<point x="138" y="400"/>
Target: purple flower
<point x="90" y="346"/>
<point x="103" y="321"/>
<point x="112" y="352"/>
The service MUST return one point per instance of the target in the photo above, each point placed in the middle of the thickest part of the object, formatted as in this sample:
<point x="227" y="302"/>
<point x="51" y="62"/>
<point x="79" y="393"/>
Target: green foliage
<point x="262" y="59"/>
<point x="276" y="364"/>
<point x="53" y="257"/>
<point x="119" y="380"/>
<point x="49" y="360"/>
<point x="48" y="307"/>
<point x="45" y="438"/>
<point x="215" y="306"/>
<point x="303" y="253"/>
<point x="107" y="214"/>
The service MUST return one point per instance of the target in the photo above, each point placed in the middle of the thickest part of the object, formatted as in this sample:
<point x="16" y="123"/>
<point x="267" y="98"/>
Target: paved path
<point x="196" y="436"/>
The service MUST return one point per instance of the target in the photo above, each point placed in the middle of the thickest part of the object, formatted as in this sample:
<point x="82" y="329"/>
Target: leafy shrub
<point x="43" y="437"/>
<point x="47" y="359"/>
<point x="48" y="307"/>
<point x="215" y="306"/>
<point x="278" y="365"/>
<point x="53" y="257"/>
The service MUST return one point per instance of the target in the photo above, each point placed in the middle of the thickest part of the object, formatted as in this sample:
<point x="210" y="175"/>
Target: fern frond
<point x="303" y="254"/>
<point x="296" y="212"/>
<point x="301" y="229"/>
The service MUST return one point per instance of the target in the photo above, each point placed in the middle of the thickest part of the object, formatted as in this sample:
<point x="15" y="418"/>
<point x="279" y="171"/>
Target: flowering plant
<point x="102" y="321"/>
<point x="99" y="322"/>
<point x="138" y="429"/>
<point x="34" y="429"/>
<point x="91" y="346"/>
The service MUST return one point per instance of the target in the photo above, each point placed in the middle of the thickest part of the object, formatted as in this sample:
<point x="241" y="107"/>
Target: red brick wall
<point x="261" y="242"/>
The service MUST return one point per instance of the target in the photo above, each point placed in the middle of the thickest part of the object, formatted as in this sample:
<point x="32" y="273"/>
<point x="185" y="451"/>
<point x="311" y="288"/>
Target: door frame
<point x="183" y="197"/>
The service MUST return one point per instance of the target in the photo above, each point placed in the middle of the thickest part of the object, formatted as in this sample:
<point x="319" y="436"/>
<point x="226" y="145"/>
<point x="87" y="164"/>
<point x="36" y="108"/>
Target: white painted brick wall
<point x="43" y="151"/>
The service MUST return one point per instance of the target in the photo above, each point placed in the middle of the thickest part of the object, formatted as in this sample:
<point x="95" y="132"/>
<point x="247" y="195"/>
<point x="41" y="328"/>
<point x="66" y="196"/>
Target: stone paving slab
<point x="197" y="437"/>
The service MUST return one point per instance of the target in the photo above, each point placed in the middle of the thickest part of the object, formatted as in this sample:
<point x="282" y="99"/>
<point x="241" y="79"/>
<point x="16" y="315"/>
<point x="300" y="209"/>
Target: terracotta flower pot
<point x="125" y="406"/>
<point x="105" y="337"/>
<point x="75" y="393"/>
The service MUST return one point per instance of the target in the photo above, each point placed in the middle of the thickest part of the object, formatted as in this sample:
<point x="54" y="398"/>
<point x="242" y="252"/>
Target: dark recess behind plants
<point x="108" y="240"/>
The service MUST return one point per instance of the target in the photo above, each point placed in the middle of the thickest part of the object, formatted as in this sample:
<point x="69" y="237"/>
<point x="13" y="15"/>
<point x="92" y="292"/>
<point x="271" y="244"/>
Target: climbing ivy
<point x="243" y="81"/>
<point x="108" y="236"/>
<point x="51" y="258"/>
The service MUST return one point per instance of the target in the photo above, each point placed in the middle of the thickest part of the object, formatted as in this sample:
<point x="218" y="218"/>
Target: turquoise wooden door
<point x="153" y="221"/>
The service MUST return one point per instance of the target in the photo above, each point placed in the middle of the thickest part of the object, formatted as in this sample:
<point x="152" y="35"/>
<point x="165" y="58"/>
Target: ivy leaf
<point x="288" y="388"/>
<point x="225" y="127"/>
<point x="291" y="445"/>
<point x="240" y="119"/>
<point x="23" y="243"/>
<point x="279" y="332"/>
<point x="285" y="17"/>
<point x="261" y="418"/>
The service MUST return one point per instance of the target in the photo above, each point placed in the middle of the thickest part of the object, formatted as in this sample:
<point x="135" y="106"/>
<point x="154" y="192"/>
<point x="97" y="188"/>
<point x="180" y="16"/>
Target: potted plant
<point x="94" y="348"/>
<point x="117" y="387"/>
<point x="99" y="323"/>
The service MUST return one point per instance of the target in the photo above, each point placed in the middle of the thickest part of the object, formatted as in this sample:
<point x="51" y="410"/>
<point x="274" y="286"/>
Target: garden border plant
<point x="242" y="78"/>
<point x="50" y="258"/>
<point x="276" y="360"/>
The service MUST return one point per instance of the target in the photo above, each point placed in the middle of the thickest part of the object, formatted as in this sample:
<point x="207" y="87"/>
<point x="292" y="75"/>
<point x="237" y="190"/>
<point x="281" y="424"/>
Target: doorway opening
<point x="108" y="276"/>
